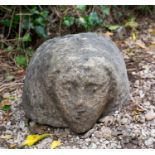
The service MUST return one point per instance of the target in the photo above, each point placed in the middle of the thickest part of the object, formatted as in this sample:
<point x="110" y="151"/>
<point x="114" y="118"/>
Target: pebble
<point x="106" y="132"/>
<point x="125" y="121"/>
<point x="153" y="132"/>
<point x="149" y="141"/>
<point x="8" y="132"/>
<point x="8" y="123"/>
<point x="150" y="116"/>
<point x="147" y="103"/>
<point x="141" y="119"/>
<point x="32" y="124"/>
<point x="107" y="120"/>
<point x="113" y="145"/>
<point x="2" y="128"/>
<point x="92" y="146"/>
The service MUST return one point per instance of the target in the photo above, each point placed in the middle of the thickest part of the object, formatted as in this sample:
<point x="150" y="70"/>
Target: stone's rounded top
<point x="88" y="41"/>
<point x="72" y="80"/>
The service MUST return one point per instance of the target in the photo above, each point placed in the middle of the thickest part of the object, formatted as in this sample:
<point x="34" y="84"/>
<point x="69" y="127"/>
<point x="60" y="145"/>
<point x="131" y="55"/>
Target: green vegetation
<point x="23" y="28"/>
<point x="6" y="108"/>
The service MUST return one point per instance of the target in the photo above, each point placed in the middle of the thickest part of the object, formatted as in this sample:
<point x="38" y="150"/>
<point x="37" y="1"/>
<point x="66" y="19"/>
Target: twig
<point x="5" y="8"/>
<point x="60" y="23"/>
<point x="11" y="85"/>
<point x="9" y="40"/>
<point x="11" y="23"/>
<point x="24" y="14"/>
<point x="19" y="31"/>
<point x="40" y="7"/>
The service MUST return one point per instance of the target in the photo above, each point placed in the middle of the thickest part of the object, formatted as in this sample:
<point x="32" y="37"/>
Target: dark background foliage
<point x="24" y="28"/>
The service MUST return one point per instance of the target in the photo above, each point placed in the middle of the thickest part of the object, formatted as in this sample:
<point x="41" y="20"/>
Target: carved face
<point x="82" y="91"/>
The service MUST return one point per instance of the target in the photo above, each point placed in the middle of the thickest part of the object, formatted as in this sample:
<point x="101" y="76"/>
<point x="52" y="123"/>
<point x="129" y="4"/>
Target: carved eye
<point x="91" y="88"/>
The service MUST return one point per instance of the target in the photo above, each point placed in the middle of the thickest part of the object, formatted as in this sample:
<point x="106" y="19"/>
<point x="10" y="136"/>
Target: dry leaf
<point x="132" y="23"/>
<point x="133" y="36"/>
<point x="140" y="44"/>
<point x="6" y="95"/>
<point x="4" y="102"/>
<point x="55" y="144"/>
<point x="20" y="72"/>
<point x="32" y="139"/>
<point x="12" y="146"/>
<point x="137" y="118"/>
<point x="152" y="31"/>
<point x="6" y="137"/>
<point x="137" y="109"/>
<point x="108" y="34"/>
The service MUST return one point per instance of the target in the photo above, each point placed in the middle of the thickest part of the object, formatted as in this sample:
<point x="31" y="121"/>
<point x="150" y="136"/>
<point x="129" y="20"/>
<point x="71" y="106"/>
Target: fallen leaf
<point x="12" y="98"/>
<point x="132" y="23"/>
<point x="137" y="109"/>
<point x="133" y="36"/>
<point x="4" y="102"/>
<point x="113" y="27"/>
<point x="6" y="136"/>
<point x="140" y="44"/>
<point x="55" y="144"/>
<point x="20" y="72"/>
<point x="6" y="116"/>
<point x="6" y="95"/>
<point x="9" y="78"/>
<point x="33" y="139"/>
<point x="152" y="31"/>
<point x="108" y="34"/>
<point x="13" y="146"/>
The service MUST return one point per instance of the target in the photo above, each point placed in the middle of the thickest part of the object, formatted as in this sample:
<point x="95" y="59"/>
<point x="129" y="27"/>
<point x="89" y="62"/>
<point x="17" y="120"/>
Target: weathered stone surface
<point x="73" y="80"/>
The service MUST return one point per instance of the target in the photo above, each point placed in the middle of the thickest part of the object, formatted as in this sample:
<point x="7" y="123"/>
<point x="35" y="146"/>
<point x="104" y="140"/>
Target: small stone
<point x="119" y="147"/>
<point x="125" y="121"/>
<point x="7" y="137"/>
<point x="2" y="128"/>
<point x="116" y="133"/>
<point x="32" y="124"/>
<point x="107" y="120"/>
<point x="153" y="132"/>
<point x="149" y="142"/>
<point x="87" y="139"/>
<point x="121" y="32"/>
<point x="113" y="145"/>
<point x="141" y="119"/>
<point x="8" y="132"/>
<point x="8" y="123"/>
<point x="150" y="116"/>
<point x="147" y="103"/>
<point x="92" y="146"/>
<point x="106" y="132"/>
<point x="135" y="142"/>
